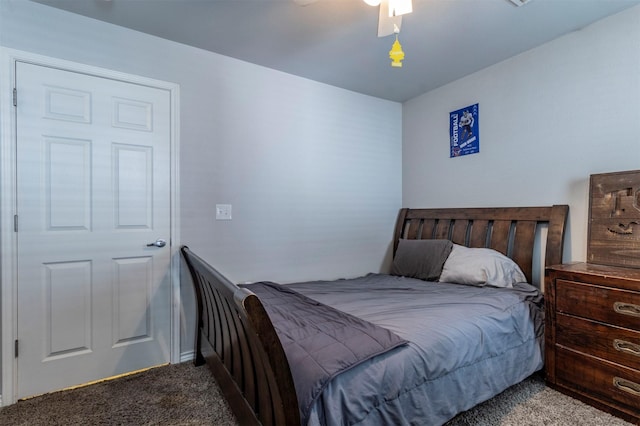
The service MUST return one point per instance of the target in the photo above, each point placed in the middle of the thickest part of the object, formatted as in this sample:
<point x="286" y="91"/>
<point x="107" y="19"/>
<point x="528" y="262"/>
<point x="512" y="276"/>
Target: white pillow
<point x="480" y="266"/>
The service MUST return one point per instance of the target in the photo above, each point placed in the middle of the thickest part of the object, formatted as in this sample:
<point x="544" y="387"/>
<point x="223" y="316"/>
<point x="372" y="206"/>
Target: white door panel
<point x="93" y="185"/>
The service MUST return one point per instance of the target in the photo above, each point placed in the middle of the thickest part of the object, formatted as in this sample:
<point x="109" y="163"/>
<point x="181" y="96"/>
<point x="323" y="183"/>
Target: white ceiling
<point x="335" y="42"/>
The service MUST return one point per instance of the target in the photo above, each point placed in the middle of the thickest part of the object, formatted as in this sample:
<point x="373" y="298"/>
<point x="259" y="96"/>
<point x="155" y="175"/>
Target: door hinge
<point x="15" y="223"/>
<point x="15" y="348"/>
<point x="15" y="97"/>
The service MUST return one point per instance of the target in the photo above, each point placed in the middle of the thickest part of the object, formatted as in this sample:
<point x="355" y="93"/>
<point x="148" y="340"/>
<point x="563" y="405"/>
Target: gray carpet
<point x="182" y="394"/>
<point x="532" y="403"/>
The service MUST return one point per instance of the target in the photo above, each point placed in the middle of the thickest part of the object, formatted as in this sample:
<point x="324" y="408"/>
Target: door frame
<point x="8" y="202"/>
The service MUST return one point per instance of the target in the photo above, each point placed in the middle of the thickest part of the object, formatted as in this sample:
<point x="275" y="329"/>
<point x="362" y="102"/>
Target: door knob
<point x="157" y="243"/>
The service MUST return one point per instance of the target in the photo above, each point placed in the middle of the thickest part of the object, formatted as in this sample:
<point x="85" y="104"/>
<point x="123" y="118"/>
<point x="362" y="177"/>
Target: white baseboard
<point x="184" y="357"/>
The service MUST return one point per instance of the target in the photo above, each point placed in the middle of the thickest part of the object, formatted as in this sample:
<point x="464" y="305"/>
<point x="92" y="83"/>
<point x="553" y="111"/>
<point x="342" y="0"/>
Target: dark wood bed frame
<point x="236" y="338"/>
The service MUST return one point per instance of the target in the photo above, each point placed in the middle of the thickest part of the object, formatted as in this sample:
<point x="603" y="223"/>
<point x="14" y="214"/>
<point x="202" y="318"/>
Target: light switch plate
<point x="223" y="211"/>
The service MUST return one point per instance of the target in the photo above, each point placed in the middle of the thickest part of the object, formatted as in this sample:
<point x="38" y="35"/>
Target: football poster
<point x="464" y="131"/>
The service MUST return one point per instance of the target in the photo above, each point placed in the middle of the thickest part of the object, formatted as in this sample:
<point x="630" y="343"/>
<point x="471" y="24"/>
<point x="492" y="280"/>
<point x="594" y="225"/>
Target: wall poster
<point x="464" y="132"/>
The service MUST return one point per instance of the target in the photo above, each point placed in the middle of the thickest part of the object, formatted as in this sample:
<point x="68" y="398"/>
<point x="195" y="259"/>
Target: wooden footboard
<point x="236" y="339"/>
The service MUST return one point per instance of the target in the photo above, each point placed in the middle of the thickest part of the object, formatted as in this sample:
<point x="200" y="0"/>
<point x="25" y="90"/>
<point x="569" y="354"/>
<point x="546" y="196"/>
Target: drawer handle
<point x="627" y="347"/>
<point x="627" y="309"/>
<point x="627" y="386"/>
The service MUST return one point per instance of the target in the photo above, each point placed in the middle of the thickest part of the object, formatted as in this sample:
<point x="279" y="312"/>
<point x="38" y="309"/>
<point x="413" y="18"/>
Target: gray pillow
<point x="421" y="259"/>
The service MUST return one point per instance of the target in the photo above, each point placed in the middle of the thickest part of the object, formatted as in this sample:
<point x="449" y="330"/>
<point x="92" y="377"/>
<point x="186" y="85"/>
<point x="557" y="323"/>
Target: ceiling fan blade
<point x="387" y="24"/>
<point x="304" y="2"/>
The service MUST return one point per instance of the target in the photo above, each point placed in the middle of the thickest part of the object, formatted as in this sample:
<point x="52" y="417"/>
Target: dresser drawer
<point x="606" y="381"/>
<point x="619" y="307"/>
<point x="615" y="344"/>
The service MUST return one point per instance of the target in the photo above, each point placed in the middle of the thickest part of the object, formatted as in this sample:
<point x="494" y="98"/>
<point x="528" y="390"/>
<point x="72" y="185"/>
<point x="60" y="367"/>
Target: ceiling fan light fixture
<point x="400" y="7"/>
<point x="372" y="2"/>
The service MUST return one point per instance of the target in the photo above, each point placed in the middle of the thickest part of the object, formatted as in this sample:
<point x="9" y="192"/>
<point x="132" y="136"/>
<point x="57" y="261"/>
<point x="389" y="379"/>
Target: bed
<point x="424" y="349"/>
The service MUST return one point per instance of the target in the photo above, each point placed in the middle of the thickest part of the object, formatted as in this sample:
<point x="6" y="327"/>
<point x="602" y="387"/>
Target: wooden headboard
<point x="509" y="230"/>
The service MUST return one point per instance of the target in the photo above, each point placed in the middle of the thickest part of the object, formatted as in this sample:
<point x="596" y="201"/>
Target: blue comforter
<point x="466" y="345"/>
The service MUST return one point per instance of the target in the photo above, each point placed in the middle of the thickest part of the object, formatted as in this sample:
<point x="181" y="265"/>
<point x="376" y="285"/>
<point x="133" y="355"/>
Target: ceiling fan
<point x="390" y="21"/>
<point x="390" y="16"/>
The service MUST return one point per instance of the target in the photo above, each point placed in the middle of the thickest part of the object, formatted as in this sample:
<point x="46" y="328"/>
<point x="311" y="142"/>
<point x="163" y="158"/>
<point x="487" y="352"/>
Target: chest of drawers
<point x="592" y="335"/>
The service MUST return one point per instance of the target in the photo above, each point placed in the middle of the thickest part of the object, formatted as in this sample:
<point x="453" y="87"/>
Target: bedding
<point x="455" y="358"/>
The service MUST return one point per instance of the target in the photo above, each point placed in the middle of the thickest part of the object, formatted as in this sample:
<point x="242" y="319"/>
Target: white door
<point x="93" y="185"/>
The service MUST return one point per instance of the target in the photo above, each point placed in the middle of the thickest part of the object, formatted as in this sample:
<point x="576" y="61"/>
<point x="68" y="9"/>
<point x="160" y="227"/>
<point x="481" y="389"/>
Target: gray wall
<point x="549" y="118"/>
<point x="313" y="172"/>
